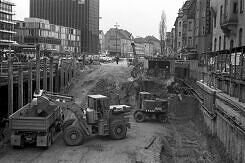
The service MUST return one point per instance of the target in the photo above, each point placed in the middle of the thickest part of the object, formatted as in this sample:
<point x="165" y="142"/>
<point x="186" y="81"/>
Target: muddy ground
<point x="182" y="140"/>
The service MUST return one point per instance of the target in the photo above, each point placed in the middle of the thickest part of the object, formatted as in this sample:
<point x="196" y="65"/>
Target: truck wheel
<point x="139" y="116"/>
<point x="73" y="136"/>
<point x="118" y="130"/>
<point x="68" y="123"/>
<point x="163" y="118"/>
<point x="49" y="141"/>
<point x="22" y="144"/>
<point x="52" y="134"/>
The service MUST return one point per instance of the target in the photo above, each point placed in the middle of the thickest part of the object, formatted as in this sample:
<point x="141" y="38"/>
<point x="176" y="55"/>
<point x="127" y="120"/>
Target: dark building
<point x="6" y="24"/>
<point x="79" y="14"/>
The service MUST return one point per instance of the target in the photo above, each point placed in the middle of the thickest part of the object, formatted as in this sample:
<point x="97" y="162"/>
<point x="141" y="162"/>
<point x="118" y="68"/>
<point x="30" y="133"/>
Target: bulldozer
<point x="97" y="119"/>
<point x="150" y="108"/>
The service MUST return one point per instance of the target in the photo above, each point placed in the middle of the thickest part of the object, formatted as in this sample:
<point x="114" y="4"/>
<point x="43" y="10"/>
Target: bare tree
<point x="162" y="31"/>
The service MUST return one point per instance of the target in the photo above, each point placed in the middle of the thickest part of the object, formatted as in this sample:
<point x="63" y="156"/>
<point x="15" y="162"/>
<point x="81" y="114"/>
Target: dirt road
<point x="95" y="149"/>
<point x="179" y="140"/>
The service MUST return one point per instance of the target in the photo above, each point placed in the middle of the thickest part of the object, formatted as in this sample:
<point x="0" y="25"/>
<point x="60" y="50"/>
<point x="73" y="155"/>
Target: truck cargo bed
<point x="27" y="119"/>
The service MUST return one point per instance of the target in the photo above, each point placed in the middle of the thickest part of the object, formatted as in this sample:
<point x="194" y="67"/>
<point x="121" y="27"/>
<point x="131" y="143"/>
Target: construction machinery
<point x="32" y="125"/>
<point x="97" y="119"/>
<point x="149" y="108"/>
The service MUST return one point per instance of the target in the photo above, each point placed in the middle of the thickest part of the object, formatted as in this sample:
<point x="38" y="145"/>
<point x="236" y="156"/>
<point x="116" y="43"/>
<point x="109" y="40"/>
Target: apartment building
<point x="118" y="42"/>
<point x="61" y="39"/>
<point x="143" y="47"/>
<point x="228" y="24"/>
<point x="6" y="24"/>
<point x="78" y="14"/>
<point x="184" y="26"/>
<point x="156" y="44"/>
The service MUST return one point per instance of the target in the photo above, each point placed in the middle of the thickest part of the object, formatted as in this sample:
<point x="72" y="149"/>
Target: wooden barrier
<point x="27" y="71"/>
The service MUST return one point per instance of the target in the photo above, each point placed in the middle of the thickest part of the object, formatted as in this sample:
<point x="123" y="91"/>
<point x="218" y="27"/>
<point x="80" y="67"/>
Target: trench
<point x="187" y="138"/>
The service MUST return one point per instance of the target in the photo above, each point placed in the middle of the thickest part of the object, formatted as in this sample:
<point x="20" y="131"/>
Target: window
<point x="203" y="30"/>
<point x="190" y="26"/>
<point x="215" y="44"/>
<point x="219" y="42"/>
<point x="221" y="13"/>
<point x="240" y="37"/>
<point x="241" y="6"/>
<point x="190" y="41"/>
<point x="179" y="34"/>
<point x="224" y="44"/>
<point x="235" y="7"/>
<point x="179" y="24"/>
<point x="231" y="44"/>
<point x="215" y="21"/>
<point x="178" y="44"/>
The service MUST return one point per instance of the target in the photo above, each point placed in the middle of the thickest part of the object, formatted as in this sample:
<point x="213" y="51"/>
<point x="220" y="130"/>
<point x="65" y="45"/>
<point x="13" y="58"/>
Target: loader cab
<point x="98" y="103"/>
<point x="143" y="96"/>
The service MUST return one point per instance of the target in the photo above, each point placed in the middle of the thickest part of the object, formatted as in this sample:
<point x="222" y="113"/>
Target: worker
<point x="117" y="59"/>
<point x="100" y="110"/>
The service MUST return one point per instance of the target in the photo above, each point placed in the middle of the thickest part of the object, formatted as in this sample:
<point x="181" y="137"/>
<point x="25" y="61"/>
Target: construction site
<point x="154" y="110"/>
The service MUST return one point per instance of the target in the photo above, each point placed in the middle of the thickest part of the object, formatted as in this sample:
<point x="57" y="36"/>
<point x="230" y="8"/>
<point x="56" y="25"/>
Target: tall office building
<point x="6" y="24"/>
<point x="79" y="14"/>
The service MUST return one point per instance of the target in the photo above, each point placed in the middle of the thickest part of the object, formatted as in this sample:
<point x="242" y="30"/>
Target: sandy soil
<point x="181" y="140"/>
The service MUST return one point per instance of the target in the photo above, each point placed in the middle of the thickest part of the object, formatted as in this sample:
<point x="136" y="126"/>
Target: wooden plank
<point x="10" y="87"/>
<point x="51" y="75"/>
<point x="38" y="69"/>
<point x="20" y="87"/>
<point x="30" y="82"/>
<point x="45" y="74"/>
<point x="57" y="85"/>
<point x="62" y="78"/>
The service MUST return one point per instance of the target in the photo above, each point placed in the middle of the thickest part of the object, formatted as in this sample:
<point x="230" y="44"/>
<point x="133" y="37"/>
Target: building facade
<point x="6" y="24"/>
<point x="203" y="30"/>
<point x="143" y="47"/>
<point x="52" y="37"/>
<point x="101" y="42"/>
<point x="184" y="26"/>
<point x="79" y="14"/>
<point x="155" y="43"/>
<point x="118" y="42"/>
<point x="228" y="24"/>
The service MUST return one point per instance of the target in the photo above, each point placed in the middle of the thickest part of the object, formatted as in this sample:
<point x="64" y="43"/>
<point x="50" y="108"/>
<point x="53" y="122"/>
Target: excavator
<point x="98" y="119"/>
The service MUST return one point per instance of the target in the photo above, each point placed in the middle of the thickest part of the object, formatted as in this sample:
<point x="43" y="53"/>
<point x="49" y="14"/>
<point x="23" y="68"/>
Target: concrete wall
<point x="225" y="118"/>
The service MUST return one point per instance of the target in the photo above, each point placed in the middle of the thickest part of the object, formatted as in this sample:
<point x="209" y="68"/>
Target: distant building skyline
<point x="74" y="14"/>
<point x="141" y="21"/>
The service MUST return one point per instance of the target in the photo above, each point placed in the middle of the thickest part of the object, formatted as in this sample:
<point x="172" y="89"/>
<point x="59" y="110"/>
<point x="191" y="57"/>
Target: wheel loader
<point x="97" y="119"/>
<point x="150" y="108"/>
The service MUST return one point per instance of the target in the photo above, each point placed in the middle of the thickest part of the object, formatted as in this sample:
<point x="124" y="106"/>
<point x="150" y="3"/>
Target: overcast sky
<point x="141" y="17"/>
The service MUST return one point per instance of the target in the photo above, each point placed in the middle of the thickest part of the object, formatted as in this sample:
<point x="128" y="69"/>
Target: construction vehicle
<point x="30" y="125"/>
<point x="149" y="108"/>
<point x="98" y="119"/>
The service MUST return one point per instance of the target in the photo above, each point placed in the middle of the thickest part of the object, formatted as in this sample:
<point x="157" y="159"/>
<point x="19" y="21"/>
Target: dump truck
<point x="151" y="108"/>
<point x="31" y="125"/>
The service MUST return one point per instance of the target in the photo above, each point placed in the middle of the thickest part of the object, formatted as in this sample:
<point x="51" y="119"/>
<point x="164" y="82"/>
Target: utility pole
<point x="116" y="35"/>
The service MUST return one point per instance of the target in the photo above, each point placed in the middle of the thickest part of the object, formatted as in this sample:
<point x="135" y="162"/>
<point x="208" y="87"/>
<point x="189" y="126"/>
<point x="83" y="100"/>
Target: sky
<point x="139" y="17"/>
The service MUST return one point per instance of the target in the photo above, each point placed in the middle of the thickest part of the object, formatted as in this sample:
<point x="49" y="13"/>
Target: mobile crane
<point x="98" y="119"/>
